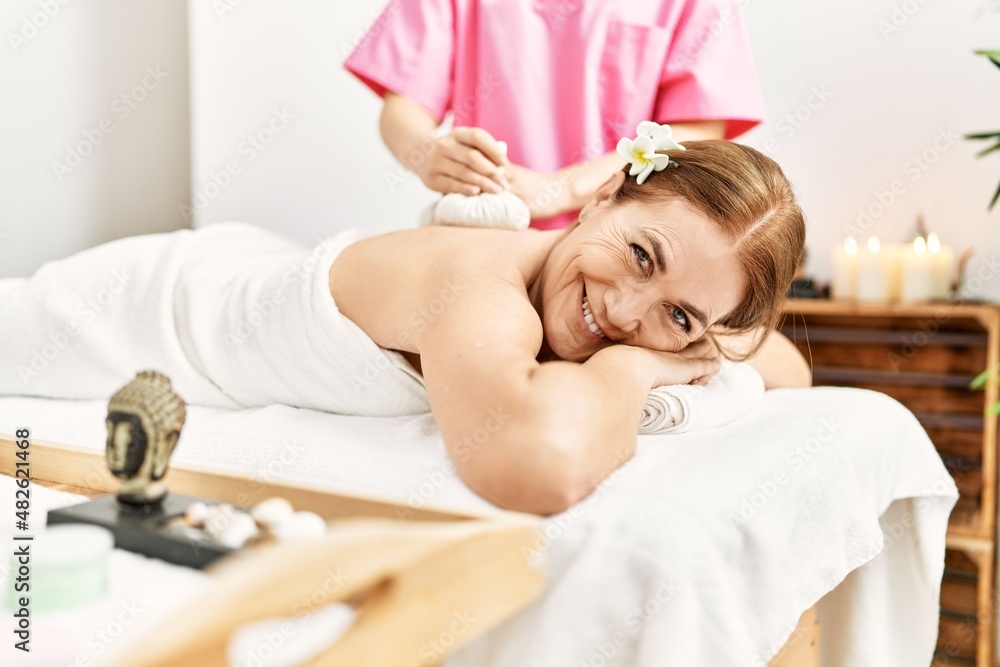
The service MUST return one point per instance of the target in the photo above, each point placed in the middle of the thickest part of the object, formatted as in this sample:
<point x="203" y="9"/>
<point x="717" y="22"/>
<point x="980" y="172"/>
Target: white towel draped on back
<point x="238" y="316"/>
<point x="235" y="315"/>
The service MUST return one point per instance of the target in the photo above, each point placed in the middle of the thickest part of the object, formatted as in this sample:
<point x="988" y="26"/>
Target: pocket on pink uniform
<point x="631" y="67"/>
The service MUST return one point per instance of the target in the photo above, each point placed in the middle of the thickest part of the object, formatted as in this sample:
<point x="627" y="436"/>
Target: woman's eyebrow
<point x="657" y="248"/>
<point x="700" y="316"/>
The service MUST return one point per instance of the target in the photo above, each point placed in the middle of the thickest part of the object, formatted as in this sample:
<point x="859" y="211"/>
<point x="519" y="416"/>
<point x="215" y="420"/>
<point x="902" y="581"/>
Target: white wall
<point x="64" y="66"/>
<point x="327" y="169"/>
<point x="897" y="81"/>
<point x="890" y="96"/>
<point x="889" y="99"/>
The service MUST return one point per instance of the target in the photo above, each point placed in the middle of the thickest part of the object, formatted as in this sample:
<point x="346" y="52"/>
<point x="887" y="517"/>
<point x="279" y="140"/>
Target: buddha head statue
<point x="144" y="423"/>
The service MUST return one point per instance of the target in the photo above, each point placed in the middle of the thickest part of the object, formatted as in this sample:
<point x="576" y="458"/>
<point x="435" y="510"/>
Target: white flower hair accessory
<point x="645" y="152"/>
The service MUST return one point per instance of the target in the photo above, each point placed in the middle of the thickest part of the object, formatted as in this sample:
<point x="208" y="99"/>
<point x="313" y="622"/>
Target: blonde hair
<point x="748" y="196"/>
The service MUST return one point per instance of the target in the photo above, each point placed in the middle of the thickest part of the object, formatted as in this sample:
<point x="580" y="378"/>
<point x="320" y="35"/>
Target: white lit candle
<point x="918" y="277"/>
<point x="877" y="273"/>
<point x="845" y="270"/>
<point x="893" y="253"/>
<point x="941" y="259"/>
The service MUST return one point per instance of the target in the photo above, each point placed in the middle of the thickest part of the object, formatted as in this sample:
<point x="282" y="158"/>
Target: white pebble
<point x="195" y="514"/>
<point x="218" y="518"/>
<point x="239" y="530"/>
<point x="301" y="525"/>
<point x="189" y="532"/>
<point x="272" y="511"/>
<point x="229" y="525"/>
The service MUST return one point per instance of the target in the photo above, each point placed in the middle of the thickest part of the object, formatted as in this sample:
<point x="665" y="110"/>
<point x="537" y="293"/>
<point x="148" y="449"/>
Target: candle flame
<point x="919" y="245"/>
<point x="933" y="243"/>
<point x="851" y="246"/>
<point x="873" y="244"/>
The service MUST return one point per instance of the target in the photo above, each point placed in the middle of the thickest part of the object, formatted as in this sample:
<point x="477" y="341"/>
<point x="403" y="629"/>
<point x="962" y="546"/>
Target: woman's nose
<point x="624" y="311"/>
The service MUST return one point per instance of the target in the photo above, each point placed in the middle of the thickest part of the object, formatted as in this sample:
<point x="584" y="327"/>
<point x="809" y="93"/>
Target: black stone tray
<point x="143" y="529"/>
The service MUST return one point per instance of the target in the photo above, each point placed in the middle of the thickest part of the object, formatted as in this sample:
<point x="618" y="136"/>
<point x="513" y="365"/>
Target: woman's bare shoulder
<point x="496" y="250"/>
<point x="385" y="282"/>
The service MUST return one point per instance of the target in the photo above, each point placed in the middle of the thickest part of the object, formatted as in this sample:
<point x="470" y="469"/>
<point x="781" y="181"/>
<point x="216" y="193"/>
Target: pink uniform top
<point x="562" y="80"/>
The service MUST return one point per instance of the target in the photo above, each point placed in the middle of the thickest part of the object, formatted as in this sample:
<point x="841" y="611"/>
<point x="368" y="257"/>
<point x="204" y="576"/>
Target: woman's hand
<point x="467" y="161"/>
<point x="695" y="364"/>
<point x="703" y="350"/>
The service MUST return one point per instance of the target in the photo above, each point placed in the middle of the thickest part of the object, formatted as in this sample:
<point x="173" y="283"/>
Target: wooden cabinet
<point x="925" y="356"/>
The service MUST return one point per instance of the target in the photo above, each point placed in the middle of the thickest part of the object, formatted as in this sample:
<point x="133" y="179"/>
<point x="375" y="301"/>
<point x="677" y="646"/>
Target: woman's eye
<point x="643" y="258"/>
<point x="681" y="318"/>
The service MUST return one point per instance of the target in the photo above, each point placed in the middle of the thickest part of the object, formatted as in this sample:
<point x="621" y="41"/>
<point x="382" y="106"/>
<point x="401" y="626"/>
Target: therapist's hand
<point x="467" y="161"/>
<point x="546" y="195"/>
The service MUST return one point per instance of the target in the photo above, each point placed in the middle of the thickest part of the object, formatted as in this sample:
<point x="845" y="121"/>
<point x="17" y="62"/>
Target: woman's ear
<point x="602" y="196"/>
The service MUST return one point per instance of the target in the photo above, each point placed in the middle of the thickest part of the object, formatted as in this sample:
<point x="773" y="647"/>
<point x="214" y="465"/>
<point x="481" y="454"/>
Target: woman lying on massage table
<point x="550" y="340"/>
<point x="565" y="332"/>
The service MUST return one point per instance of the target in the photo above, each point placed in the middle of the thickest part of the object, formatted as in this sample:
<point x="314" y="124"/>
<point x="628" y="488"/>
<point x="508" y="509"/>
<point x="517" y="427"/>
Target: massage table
<point x="707" y="548"/>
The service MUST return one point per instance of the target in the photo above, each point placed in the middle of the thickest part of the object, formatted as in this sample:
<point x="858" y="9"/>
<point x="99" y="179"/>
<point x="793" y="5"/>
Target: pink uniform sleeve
<point x="409" y="50"/>
<point x="710" y="73"/>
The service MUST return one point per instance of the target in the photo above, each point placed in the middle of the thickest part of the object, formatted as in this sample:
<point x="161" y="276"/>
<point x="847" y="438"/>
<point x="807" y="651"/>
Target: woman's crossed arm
<point x="530" y="436"/>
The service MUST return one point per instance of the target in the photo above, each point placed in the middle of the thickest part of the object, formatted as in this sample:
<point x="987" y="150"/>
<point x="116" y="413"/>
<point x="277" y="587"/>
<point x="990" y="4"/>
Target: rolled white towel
<point x="734" y="391"/>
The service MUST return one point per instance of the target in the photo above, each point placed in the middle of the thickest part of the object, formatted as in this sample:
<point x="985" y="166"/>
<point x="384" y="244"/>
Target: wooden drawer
<point x="965" y="628"/>
<point x="925" y="357"/>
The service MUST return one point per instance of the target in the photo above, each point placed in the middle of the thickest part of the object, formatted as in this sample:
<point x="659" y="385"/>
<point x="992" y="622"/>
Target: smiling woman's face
<point x="651" y="276"/>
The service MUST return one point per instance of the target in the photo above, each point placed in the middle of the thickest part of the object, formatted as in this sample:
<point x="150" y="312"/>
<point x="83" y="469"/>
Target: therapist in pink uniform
<point x="560" y="81"/>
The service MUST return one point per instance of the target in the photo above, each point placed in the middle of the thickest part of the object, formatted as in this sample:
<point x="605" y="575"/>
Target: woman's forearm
<point x="781" y="364"/>
<point x="571" y="425"/>
<point x="588" y="413"/>
<point x="778" y="361"/>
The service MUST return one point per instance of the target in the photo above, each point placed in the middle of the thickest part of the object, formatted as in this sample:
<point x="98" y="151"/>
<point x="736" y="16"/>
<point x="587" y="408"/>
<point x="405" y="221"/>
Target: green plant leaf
<point x="987" y="151"/>
<point x="994" y="409"/>
<point x="980" y="380"/>
<point x="991" y="54"/>
<point x="994" y="56"/>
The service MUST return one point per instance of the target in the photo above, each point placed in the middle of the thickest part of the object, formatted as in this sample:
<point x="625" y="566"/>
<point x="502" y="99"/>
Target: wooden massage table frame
<point x="407" y="570"/>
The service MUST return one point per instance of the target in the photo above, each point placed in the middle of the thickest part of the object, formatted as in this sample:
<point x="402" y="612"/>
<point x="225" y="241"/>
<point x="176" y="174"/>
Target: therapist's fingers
<point x="447" y="185"/>
<point x="471" y="158"/>
<point x="461" y="172"/>
<point x="477" y="162"/>
<point x="437" y="174"/>
<point x="483" y="141"/>
<point x="462" y="162"/>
